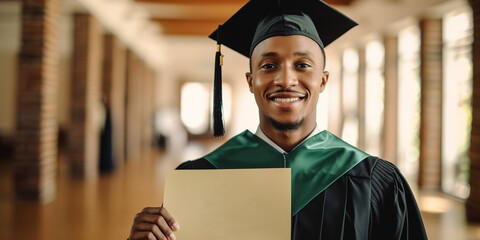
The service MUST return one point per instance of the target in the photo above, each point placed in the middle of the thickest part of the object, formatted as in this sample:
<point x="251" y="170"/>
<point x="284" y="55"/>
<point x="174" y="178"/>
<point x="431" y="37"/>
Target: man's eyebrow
<point x="274" y="54"/>
<point x="307" y="53"/>
<point x="268" y="54"/>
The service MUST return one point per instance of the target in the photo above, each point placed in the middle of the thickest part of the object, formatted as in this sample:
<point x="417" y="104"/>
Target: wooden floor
<point x="104" y="208"/>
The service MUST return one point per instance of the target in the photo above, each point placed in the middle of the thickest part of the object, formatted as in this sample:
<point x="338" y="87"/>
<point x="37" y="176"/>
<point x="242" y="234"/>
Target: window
<point x="457" y="94"/>
<point x="408" y="101"/>
<point x="350" y="66"/>
<point x="374" y="97"/>
<point x="196" y="106"/>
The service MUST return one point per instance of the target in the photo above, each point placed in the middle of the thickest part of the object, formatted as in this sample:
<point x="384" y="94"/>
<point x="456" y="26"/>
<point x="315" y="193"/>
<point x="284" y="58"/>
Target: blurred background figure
<point x="106" y="161"/>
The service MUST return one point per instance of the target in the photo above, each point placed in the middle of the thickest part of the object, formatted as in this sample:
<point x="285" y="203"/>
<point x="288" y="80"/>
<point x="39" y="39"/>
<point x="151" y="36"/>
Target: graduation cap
<point x="261" y="19"/>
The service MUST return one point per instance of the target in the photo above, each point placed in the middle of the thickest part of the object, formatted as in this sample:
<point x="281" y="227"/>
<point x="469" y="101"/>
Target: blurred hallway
<point x="99" y="98"/>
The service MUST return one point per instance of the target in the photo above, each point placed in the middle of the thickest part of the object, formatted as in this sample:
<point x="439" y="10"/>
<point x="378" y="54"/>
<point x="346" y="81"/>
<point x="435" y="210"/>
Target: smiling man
<point x="286" y="79"/>
<point x="338" y="191"/>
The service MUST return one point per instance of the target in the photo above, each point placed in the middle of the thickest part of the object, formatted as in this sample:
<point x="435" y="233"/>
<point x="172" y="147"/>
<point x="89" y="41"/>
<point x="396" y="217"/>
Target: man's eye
<point x="303" y="65"/>
<point x="268" y="66"/>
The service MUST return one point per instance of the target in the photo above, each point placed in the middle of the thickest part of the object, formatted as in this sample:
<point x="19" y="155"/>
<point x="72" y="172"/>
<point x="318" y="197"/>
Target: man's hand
<point x="153" y="223"/>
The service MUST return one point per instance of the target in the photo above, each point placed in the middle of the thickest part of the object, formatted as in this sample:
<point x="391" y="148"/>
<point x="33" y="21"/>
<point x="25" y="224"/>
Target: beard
<point x="285" y="126"/>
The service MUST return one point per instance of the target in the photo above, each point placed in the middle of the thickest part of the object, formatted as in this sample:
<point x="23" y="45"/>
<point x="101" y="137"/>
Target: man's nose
<point x="286" y="78"/>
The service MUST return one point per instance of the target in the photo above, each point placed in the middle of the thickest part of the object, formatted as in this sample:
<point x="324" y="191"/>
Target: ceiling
<point x="147" y="27"/>
<point x="197" y="17"/>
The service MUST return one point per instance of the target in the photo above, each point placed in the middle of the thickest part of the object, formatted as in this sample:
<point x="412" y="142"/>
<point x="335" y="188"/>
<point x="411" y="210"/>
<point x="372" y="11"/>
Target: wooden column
<point x="119" y="64"/>
<point x="362" y="74"/>
<point x="390" y="126"/>
<point x="84" y="131"/>
<point x="148" y="107"/>
<point x="430" y="169"/>
<point x="473" y="202"/>
<point x="133" y="109"/>
<point x="37" y="127"/>
<point x="114" y="90"/>
<point x="107" y="71"/>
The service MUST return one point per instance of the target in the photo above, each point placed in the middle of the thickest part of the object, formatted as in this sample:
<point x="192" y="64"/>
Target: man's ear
<point x="249" y="81"/>
<point x="324" y="82"/>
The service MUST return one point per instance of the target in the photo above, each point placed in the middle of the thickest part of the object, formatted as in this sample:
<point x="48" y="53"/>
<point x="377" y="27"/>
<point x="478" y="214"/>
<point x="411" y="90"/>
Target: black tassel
<point x="218" y="124"/>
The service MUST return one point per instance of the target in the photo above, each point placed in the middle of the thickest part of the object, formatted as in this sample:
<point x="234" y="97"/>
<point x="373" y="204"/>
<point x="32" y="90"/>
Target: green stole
<point x="315" y="164"/>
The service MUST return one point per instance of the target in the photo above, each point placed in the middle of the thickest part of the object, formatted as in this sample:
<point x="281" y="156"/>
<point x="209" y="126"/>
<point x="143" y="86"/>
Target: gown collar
<point x="264" y="137"/>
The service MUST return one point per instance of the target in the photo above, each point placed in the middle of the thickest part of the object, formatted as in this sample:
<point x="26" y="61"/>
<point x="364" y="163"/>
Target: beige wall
<point x="65" y="64"/>
<point x="9" y="47"/>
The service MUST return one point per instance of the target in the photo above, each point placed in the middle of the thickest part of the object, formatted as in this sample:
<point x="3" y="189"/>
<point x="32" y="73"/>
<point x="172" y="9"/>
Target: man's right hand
<point x="153" y="223"/>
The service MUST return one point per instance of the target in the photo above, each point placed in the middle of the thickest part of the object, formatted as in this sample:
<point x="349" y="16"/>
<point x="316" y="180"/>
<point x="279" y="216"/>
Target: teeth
<point x="286" y="100"/>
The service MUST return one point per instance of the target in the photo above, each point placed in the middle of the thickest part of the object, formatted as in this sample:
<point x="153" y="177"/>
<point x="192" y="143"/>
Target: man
<point x="338" y="191"/>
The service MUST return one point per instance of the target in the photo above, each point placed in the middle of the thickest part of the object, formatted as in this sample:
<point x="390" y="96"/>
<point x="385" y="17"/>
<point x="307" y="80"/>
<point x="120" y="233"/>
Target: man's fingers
<point x="154" y="223"/>
<point x="165" y="228"/>
<point x="165" y="214"/>
<point x="169" y="219"/>
<point x="159" y="228"/>
<point x="152" y="210"/>
<point x="153" y="228"/>
<point x="143" y="235"/>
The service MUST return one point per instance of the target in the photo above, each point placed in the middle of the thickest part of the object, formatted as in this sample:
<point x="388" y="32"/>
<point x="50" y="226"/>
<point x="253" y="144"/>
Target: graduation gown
<point x="106" y="161"/>
<point x="367" y="199"/>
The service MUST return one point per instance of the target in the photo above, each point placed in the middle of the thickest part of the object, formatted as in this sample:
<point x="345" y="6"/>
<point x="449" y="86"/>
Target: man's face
<point x="286" y="79"/>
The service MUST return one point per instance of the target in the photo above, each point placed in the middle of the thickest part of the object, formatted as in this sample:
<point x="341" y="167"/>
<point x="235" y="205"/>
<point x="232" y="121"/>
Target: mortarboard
<point x="261" y="19"/>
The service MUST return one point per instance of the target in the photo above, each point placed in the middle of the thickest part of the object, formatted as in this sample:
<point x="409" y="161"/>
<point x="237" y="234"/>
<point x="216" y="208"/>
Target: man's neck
<point x="288" y="139"/>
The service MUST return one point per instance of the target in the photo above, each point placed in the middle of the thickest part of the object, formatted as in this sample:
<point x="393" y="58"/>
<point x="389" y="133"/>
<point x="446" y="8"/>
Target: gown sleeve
<point x="395" y="214"/>
<point x="196" y="164"/>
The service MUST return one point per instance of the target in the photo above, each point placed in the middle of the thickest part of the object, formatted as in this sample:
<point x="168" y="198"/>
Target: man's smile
<point x="285" y="95"/>
<point x="285" y="98"/>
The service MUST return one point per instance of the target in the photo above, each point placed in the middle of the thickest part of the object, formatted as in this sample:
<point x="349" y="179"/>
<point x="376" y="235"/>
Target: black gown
<point x="106" y="160"/>
<point x="371" y="201"/>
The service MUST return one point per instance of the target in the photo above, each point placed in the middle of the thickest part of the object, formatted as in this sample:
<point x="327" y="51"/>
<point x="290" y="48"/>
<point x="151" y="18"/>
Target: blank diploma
<point x="230" y="204"/>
